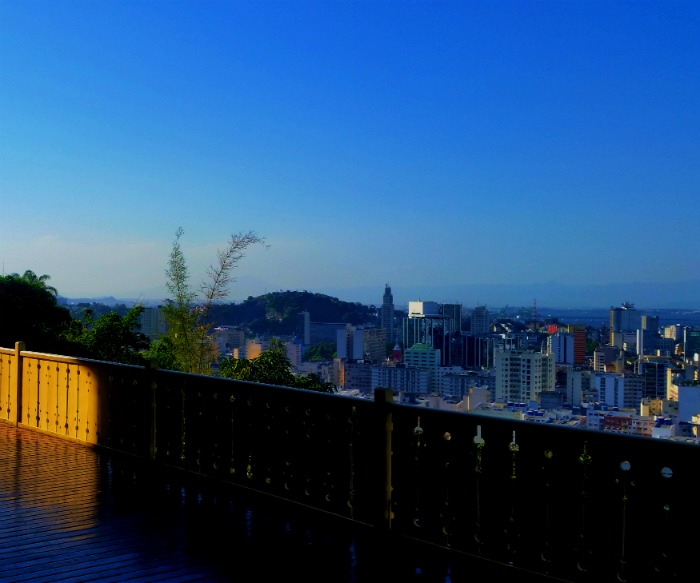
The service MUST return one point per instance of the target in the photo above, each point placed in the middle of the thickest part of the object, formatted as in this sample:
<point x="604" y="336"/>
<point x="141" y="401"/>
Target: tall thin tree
<point x="187" y="312"/>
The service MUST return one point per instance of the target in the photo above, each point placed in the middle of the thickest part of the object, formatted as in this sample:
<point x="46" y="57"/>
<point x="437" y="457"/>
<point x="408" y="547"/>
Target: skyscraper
<point x="625" y="319"/>
<point x="387" y="314"/>
<point x="480" y="320"/>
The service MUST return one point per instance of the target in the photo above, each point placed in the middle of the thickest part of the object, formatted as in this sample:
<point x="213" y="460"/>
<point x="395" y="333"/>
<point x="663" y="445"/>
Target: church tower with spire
<point x="387" y="314"/>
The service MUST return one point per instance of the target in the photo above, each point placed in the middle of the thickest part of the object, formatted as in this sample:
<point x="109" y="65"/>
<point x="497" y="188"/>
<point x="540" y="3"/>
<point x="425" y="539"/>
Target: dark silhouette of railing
<point x="560" y="502"/>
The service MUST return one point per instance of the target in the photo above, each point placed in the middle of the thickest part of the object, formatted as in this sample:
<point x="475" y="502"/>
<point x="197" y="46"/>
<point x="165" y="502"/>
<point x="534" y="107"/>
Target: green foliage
<point x="320" y="351"/>
<point x="29" y="312"/>
<point x="162" y="354"/>
<point x="110" y="337"/>
<point x="187" y="313"/>
<point x="272" y="367"/>
<point x="39" y="280"/>
<point x="312" y="382"/>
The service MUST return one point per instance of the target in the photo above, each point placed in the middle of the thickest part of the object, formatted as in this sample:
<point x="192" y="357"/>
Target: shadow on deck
<point x="74" y="513"/>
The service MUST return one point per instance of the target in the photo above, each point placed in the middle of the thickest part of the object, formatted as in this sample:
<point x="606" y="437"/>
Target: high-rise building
<point x="453" y="317"/>
<point x="579" y="333"/>
<point x="478" y="351"/>
<point x="521" y="375"/>
<point x="653" y="371"/>
<point x="650" y="323"/>
<point x="623" y="319"/>
<point x="360" y="343"/>
<point x="374" y="344"/>
<point x="349" y="343"/>
<point x="387" y="314"/>
<point x="424" y="356"/>
<point x="620" y="390"/>
<point x="423" y="322"/>
<point x="303" y="328"/>
<point x="480" y="320"/>
<point x="691" y="344"/>
<point x="561" y="345"/>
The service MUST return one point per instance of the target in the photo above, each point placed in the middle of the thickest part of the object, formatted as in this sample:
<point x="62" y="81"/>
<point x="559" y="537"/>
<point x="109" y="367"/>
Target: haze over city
<point x="482" y="152"/>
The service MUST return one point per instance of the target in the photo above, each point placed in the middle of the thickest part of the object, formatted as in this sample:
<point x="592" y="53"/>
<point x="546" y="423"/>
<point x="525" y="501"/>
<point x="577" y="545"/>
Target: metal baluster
<point x="582" y="551"/>
<point x="351" y="454"/>
<point x="664" y="565"/>
<point x="622" y="565"/>
<point x="479" y="443"/>
<point x="546" y="555"/>
<point x="418" y="433"/>
<point x="446" y="514"/>
<point x="511" y="530"/>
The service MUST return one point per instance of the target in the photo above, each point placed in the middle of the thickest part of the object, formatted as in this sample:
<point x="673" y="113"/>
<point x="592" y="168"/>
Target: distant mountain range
<point x="685" y="295"/>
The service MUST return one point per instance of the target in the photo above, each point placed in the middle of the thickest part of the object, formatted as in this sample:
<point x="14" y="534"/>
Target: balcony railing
<point x="565" y="503"/>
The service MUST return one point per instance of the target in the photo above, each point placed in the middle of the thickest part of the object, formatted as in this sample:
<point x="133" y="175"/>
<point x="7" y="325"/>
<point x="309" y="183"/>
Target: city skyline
<point x="475" y="152"/>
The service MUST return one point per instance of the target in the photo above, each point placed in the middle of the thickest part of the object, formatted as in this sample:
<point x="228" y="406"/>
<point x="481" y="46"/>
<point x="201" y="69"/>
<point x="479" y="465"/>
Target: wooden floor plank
<point x="76" y="514"/>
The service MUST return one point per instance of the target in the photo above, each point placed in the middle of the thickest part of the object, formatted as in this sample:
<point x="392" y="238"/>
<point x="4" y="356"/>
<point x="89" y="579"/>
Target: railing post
<point x="152" y="386"/>
<point x="16" y="396"/>
<point x="382" y="399"/>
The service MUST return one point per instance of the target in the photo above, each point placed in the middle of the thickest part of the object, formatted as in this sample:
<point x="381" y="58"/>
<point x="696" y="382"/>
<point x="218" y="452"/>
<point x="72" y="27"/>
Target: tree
<point x="321" y="351"/>
<point x="39" y="280"/>
<point x="111" y="337"/>
<point x="272" y="367"/>
<point x="312" y="382"/>
<point x="162" y="354"/>
<point x="187" y="312"/>
<point x="30" y="313"/>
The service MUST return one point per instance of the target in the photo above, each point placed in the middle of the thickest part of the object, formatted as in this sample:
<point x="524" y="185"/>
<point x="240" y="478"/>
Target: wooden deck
<point x="73" y="513"/>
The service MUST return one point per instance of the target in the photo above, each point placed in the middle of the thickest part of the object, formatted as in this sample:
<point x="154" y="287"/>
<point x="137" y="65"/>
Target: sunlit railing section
<point x="89" y="401"/>
<point x="572" y="504"/>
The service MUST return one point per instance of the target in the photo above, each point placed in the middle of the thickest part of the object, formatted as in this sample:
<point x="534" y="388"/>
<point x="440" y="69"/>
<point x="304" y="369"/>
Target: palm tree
<point x="40" y="280"/>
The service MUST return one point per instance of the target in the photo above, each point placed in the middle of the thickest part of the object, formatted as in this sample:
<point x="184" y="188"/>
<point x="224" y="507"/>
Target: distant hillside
<point x="278" y="312"/>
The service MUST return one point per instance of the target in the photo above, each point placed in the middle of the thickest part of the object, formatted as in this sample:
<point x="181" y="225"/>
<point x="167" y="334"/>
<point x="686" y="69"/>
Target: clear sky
<point x="428" y="145"/>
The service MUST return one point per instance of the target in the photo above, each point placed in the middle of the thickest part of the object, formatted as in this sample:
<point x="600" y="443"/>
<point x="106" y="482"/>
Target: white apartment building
<point x="455" y="383"/>
<point x="401" y="379"/>
<point x="521" y="375"/>
<point x="620" y="390"/>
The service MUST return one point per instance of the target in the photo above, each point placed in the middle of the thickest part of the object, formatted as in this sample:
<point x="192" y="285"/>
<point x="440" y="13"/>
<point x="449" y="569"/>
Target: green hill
<point x="277" y="313"/>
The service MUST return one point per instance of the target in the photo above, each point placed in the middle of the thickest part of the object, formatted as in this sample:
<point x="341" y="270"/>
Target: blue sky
<point x="434" y="146"/>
